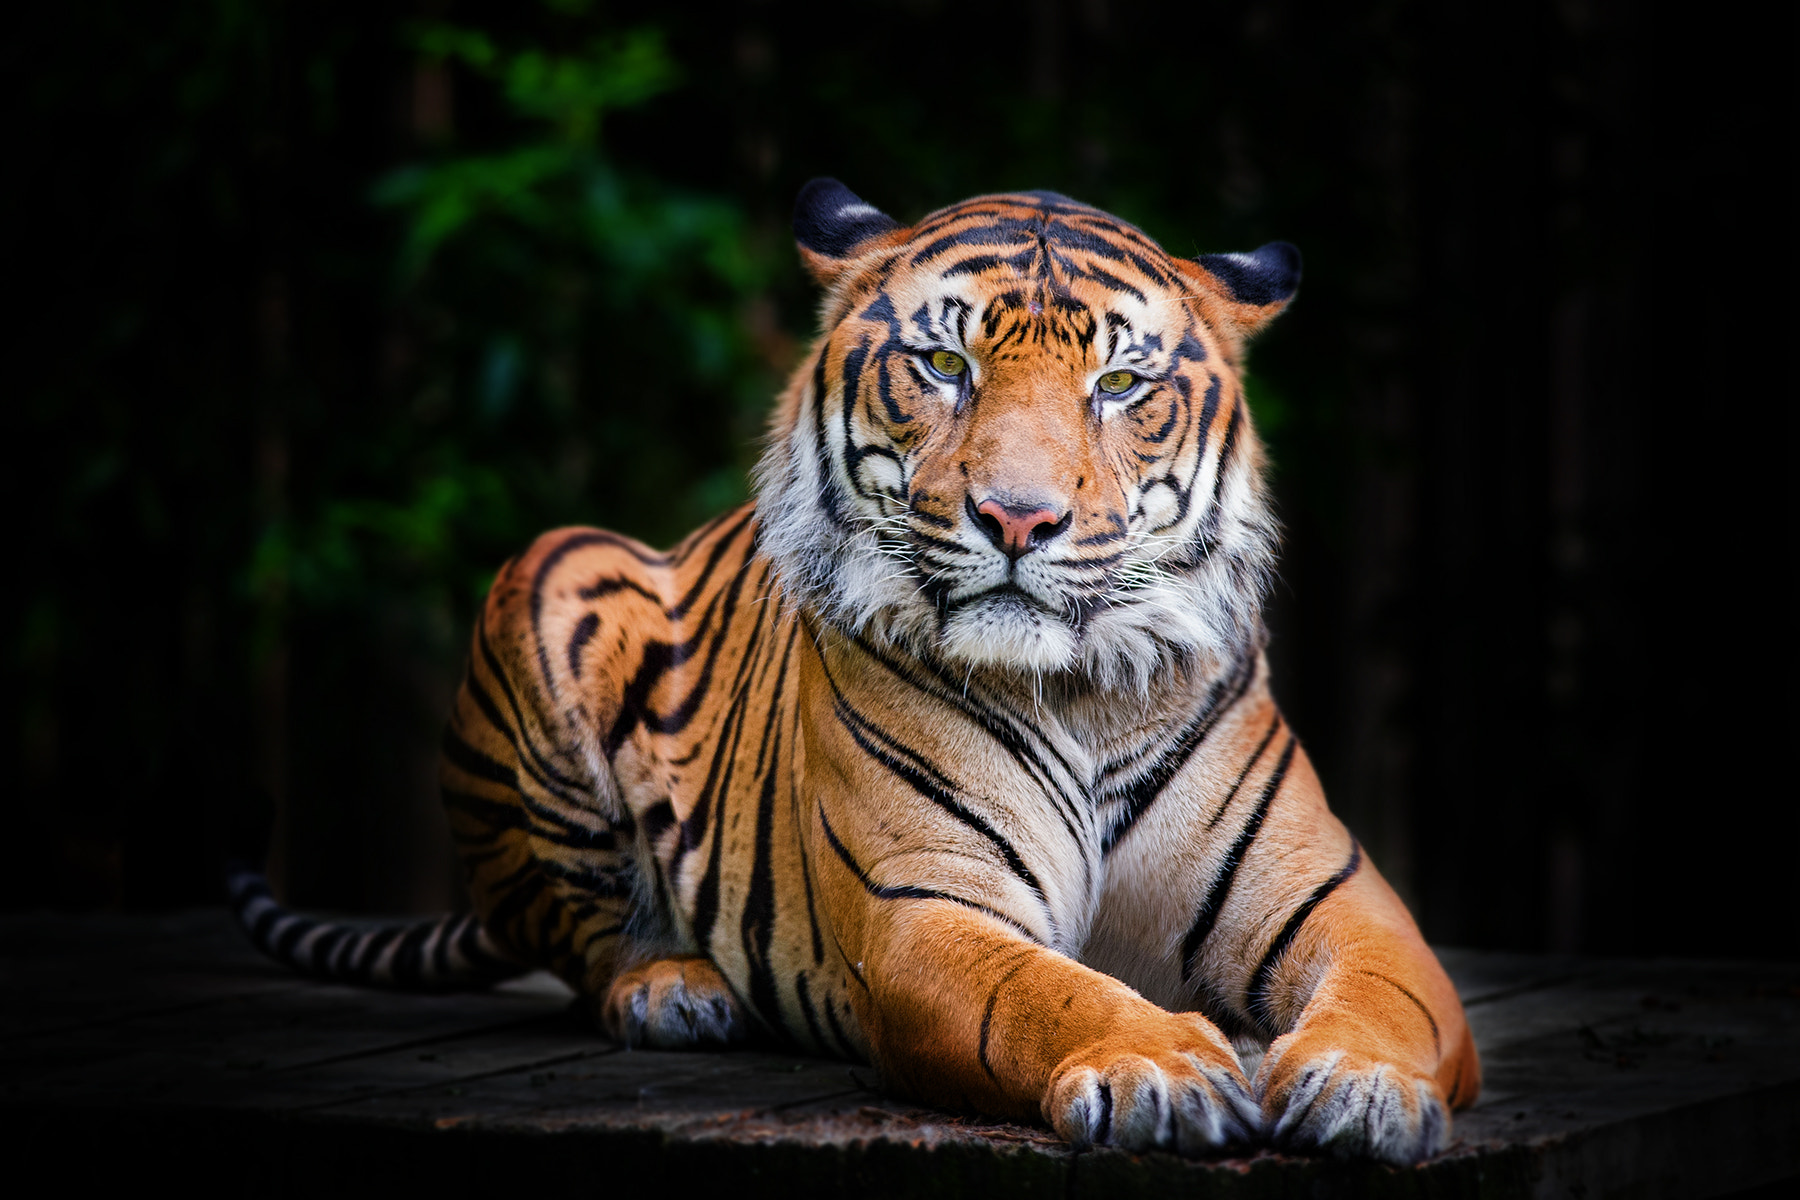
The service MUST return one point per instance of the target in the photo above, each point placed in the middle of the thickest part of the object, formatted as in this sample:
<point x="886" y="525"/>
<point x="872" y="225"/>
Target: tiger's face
<point x="1021" y="440"/>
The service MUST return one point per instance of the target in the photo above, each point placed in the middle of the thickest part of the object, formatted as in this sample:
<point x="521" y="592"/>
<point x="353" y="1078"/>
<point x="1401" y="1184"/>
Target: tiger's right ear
<point x="1238" y="294"/>
<point x="835" y="228"/>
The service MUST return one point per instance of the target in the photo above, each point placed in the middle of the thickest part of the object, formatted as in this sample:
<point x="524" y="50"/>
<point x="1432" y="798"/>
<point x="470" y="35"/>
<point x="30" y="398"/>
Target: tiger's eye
<point x="1117" y="383"/>
<point x="948" y="363"/>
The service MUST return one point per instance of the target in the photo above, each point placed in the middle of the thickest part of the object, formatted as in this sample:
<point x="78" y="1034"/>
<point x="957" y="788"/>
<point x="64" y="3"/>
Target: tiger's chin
<point x="1009" y="631"/>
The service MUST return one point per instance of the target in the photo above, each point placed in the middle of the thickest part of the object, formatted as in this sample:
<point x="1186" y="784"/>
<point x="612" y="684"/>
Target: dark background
<point x="321" y="310"/>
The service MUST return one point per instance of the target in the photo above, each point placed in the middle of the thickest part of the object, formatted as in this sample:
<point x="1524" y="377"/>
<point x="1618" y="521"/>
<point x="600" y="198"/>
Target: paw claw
<point x="1142" y="1101"/>
<point x="1348" y="1109"/>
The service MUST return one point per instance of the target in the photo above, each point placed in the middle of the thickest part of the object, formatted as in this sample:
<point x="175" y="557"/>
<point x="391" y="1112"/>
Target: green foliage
<point x="555" y="310"/>
<point x="344" y="307"/>
<point x="554" y="179"/>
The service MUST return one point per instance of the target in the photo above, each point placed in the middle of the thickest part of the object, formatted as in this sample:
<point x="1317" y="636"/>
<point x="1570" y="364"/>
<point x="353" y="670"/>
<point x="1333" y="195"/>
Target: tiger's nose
<point x="1017" y="529"/>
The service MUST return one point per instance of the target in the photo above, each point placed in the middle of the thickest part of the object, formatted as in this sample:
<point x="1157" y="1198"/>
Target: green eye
<point x="1117" y="383"/>
<point x="948" y="363"/>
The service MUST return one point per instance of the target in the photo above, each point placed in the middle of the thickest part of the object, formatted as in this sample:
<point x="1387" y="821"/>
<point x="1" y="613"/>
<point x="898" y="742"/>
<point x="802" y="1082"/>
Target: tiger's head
<point x="1021" y="439"/>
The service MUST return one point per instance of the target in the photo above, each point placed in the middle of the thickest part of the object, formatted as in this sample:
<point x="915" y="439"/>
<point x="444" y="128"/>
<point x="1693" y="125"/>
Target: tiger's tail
<point x="444" y="953"/>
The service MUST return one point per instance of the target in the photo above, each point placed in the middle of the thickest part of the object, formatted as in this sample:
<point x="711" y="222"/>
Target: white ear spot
<point x="1241" y="259"/>
<point x="857" y="210"/>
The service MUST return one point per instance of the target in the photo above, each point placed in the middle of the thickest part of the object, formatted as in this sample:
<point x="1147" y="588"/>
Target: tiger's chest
<point x="946" y="784"/>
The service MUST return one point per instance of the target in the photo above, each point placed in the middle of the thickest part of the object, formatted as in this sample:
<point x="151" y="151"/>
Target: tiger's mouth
<point x="1008" y="626"/>
<point x="1024" y="613"/>
<point x="1024" y="605"/>
<point x="1009" y="596"/>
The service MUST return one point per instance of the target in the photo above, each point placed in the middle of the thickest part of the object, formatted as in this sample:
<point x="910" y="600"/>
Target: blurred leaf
<point x="563" y="311"/>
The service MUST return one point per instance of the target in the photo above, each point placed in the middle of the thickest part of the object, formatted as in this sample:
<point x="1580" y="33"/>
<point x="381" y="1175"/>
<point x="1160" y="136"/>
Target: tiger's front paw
<point x="672" y="1004"/>
<point x="1349" y="1105"/>
<point x="1188" y="1094"/>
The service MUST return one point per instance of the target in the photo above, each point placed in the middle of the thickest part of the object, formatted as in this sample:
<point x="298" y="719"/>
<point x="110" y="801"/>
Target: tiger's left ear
<point x="834" y="228"/>
<point x="1241" y="293"/>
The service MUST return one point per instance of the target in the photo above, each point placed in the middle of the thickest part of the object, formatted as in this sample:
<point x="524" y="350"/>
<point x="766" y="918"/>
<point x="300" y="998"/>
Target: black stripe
<point x="1143" y="791"/>
<point x="987" y="1014"/>
<point x="908" y="891"/>
<point x="440" y="952"/>
<point x="324" y="951"/>
<point x="697" y="539"/>
<point x="998" y="725"/>
<point x="371" y="948"/>
<point x="524" y="748"/>
<point x="656" y="819"/>
<point x="584" y="633"/>
<point x="468" y="943"/>
<point x="589" y="537"/>
<point x="756" y="926"/>
<point x="409" y="959"/>
<point x="619" y="583"/>
<point x="1216" y="896"/>
<point x="1237" y="784"/>
<point x="837" y="1031"/>
<point x="259" y="930"/>
<point x="659" y="658"/>
<point x="1209" y="407"/>
<point x="517" y="901"/>
<point x="924" y="777"/>
<point x="601" y="882"/>
<point x="1023" y="262"/>
<point x="547" y="823"/>
<point x="1258" y="991"/>
<point x="938" y="795"/>
<point x="1437" y="1044"/>
<point x="745" y="515"/>
<point x="803" y="993"/>
<point x="1209" y="529"/>
<point x="471" y="761"/>
<point x="831" y="498"/>
<point x="495" y="814"/>
<point x="855" y="360"/>
<point x="283" y="946"/>
<point x="999" y="232"/>
<point x="1108" y="279"/>
<point x="806" y="882"/>
<point x="695" y="828"/>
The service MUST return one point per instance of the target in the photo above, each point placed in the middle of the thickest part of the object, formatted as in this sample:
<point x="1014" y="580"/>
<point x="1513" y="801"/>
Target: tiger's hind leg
<point x="561" y="867"/>
<point x="670" y="1004"/>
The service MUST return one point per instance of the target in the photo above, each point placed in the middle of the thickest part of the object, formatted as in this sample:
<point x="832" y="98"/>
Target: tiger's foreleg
<point x="1378" y="1049"/>
<point x="959" y="1009"/>
<point x="948" y="883"/>
<point x="1240" y="893"/>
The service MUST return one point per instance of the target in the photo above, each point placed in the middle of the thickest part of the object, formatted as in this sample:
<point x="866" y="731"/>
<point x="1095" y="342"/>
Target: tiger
<point x="952" y="752"/>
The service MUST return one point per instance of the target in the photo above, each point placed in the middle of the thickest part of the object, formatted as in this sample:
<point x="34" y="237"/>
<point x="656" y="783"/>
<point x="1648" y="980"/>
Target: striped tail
<point x="427" y="954"/>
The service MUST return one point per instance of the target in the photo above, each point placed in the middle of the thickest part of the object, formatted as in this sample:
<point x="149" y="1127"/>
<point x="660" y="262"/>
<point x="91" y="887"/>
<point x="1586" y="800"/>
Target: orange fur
<point x="1040" y="849"/>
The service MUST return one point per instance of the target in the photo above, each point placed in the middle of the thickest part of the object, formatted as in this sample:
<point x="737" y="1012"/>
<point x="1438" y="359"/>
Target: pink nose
<point x="1018" y="529"/>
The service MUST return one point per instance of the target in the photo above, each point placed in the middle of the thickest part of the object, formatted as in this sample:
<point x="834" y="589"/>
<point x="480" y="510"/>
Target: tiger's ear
<point x="1241" y="293"/>
<point x="835" y="228"/>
